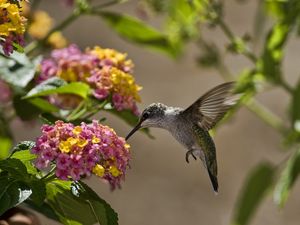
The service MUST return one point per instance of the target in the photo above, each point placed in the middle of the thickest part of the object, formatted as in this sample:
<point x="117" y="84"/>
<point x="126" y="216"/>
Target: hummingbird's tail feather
<point x="214" y="181"/>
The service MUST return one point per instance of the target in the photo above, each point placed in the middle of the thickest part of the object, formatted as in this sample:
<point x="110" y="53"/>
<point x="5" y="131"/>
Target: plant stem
<point x="229" y="34"/>
<point x="266" y="115"/>
<point x="49" y="175"/>
<point x="286" y="86"/>
<point x="106" y="4"/>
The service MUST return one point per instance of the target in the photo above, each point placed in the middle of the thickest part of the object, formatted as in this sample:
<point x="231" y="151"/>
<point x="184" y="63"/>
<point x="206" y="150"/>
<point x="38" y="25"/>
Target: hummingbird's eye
<point x="145" y="115"/>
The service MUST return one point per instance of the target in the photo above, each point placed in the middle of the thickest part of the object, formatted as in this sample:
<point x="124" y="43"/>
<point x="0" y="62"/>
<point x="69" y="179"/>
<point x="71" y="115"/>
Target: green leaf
<point x="103" y="212"/>
<point x="254" y="189"/>
<point x="26" y="158"/>
<point x="5" y="146"/>
<point x="287" y="179"/>
<point x="15" y="167"/>
<point x="43" y="105"/>
<point x="24" y="145"/>
<point x="19" y="70"/>
<point x="12" y="192"/>
<point x="24" y="109"/>
<point x="78" y="207"/>
<point x="270" y="64"/>
<point x="16" y="172"/>
<point x="44" y="209"/>
<point x="38" y="188"/>
<point x="58" y="86"/>
<point x="128" y="117"/>
<point x="136" y="31"/>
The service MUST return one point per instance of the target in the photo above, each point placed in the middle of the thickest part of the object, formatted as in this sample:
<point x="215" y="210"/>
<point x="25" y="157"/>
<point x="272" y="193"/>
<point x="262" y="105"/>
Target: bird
<point x="191" y="126"/>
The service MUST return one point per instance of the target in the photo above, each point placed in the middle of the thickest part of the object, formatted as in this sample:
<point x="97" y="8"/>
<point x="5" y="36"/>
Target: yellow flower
<point x="64" y="146"/>
<point x="82" y="142"/>
<point x="13" y="21"/>
<point x="68" y="75"/>
<point x="114" y="171"/>
<point x="57" y="40"/>
<point x="41" y="24"/>
<point x="124" y="84"/>
<point x="116" y="57"/>
<point x="95" y="140"/>
<point x="99" y="170"/>
<point x="127" y="146"/>
<point x="72" y="141"/>
<point x="77" y="130"/>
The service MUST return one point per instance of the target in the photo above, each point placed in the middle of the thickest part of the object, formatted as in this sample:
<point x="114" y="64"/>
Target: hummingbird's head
<point x="152" y="116"/>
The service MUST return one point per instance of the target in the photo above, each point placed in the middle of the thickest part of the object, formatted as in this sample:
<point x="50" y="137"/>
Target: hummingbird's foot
<point x="187" y="155"/>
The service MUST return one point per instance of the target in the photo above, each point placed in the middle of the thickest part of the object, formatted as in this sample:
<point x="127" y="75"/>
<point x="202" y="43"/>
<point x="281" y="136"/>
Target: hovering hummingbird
<point x="190" y="126"/>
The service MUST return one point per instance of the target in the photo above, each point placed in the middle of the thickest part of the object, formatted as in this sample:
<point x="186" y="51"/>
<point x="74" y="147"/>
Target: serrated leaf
<point x="19" y="71"/>
<point x="26" y="158"/>
<point x="38" y="188"/>
<point x="24" y="145"/>
<point x="44" y="209"/>
<point x="70" y="208"/>
<point x="58" y="86"/>
<point x="15" y="167"/>
<point x="138" y="32"/>
<point x="102" y="210"/>
<point x="254" y="189"/>
<point x="287" y="179"/>
<point x="12" y="192"/>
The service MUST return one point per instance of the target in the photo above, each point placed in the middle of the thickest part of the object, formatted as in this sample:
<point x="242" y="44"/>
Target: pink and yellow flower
<point x="12" y="26"/>
<point x="105" y="70"/>
<point x="79" y="151"/>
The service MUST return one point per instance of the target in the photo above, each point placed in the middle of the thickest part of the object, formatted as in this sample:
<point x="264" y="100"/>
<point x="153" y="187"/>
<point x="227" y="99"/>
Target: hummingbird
<point x="191" y="126"/>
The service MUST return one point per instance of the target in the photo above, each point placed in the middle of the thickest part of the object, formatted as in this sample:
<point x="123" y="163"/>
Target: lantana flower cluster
<point x="12" y="26"/>
<point x="107" y="71"/>
<point x="79" y="151"/>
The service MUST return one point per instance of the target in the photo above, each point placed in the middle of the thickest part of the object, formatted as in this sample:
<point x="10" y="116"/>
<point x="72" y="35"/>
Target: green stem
<point x="286" y="86"/>
<point x="266" y="115"/>
<point x="77" y="110"/>
<point x="50" y="175"/>
<point x="95" y="110"/>
<point x="106" y="4"/>
<point x="229" y="34"/>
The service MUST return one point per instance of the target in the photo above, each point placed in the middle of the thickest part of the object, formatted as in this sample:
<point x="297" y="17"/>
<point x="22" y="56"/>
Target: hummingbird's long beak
<point x="138" y="126"/>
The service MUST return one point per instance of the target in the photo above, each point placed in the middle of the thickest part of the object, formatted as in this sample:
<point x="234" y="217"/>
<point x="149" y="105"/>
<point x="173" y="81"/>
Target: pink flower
<point x="106" y="71"/>
<point x="83" y="150"/>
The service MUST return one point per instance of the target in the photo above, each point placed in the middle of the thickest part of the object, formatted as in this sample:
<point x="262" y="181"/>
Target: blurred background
<point x="160" y="187"/>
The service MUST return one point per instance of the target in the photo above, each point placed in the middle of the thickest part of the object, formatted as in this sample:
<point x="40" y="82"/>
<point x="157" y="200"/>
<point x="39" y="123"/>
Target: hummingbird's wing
<point x="212" y="106"/>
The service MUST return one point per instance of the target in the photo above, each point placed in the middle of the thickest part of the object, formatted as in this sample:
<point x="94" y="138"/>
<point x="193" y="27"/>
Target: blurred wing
<point x="212" y="106"/>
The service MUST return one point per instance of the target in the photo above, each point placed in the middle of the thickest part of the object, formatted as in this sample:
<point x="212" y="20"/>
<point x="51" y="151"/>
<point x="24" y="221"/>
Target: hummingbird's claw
<point x="187" y="155"/>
